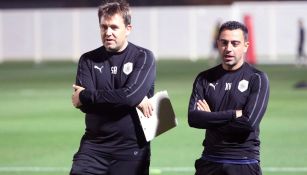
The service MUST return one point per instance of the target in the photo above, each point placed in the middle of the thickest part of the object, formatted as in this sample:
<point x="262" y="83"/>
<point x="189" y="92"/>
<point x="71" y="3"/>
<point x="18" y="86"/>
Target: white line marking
<point x="153" y="169"/>
<point x="33" y="169"/>
<point x="285" y="169"/>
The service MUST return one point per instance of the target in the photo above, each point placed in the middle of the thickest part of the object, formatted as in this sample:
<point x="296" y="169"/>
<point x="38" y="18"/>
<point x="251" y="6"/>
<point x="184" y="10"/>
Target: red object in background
<point x="250" y="55"/>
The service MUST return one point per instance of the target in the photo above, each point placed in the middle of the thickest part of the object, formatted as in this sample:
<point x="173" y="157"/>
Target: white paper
<point x="162" y="119"/>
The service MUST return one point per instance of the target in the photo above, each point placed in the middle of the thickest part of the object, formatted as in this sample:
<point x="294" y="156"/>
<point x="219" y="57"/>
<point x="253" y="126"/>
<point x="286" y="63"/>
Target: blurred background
<point x="62" y="30"/>
<point x="42" y="40"/>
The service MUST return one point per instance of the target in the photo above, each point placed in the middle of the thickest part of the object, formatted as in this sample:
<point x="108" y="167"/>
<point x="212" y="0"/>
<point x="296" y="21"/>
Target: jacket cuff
<point x="85" y="97"/>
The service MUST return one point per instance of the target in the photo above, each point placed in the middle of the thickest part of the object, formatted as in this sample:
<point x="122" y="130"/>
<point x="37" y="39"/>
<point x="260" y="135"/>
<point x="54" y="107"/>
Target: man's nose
<point x="108" y="31"/>
<point x="229" y="46"/>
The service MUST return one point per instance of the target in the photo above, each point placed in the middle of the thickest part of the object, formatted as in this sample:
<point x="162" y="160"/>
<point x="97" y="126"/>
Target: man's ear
<point x="246" y="45"/>
<point x="128" y="29"/>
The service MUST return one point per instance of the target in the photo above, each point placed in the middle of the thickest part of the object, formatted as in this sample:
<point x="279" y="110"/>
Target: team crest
<point x="243" y="85"/>
<point x="128" y="67"/>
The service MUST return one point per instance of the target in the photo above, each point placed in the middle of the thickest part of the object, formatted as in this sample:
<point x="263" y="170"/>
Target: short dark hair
<point x="233" y="25"/>
<point x="111" y="7"/>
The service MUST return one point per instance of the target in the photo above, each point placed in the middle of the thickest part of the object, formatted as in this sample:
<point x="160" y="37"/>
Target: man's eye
<point x="114" y="27"/>
<point x="235" y="43"/>
<point x="224" y="43"/>
<point x="103" y="27"/>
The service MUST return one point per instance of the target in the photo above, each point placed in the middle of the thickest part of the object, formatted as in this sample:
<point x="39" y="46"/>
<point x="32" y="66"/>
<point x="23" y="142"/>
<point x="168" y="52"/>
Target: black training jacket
<point x="115" y="83"/>
<point x="228" y="137"/>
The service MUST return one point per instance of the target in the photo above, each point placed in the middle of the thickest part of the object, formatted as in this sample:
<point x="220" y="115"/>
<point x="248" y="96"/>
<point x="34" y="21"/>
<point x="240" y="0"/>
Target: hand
<point x="146" y="107"/>
<point x="202" y="105"/>
<point x="75" y="95"/>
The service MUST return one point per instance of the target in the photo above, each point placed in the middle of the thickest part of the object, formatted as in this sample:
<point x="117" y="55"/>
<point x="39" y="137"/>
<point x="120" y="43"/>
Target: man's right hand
<point x="202" y="105"/>
<point x="146" y="107"/>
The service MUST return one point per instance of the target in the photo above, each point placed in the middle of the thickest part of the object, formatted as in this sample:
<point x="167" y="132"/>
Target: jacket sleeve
<point x="254" y="109"/>
<point x="203" y="119"/>
<point x="84" y="78"/>
<point x="226" y="121"/>
<point x="139" y="83"/>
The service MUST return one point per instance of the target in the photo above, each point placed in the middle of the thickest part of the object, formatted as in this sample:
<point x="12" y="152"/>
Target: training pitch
<point x="40" y="130"/>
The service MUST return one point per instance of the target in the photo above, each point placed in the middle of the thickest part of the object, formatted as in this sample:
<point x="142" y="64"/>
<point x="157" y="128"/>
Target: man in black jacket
<point x="229" y="101"/>
<point x="111" y="82"/>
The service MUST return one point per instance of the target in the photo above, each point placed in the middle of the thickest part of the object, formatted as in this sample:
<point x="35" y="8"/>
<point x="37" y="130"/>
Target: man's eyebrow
<point x="229" y="40"/>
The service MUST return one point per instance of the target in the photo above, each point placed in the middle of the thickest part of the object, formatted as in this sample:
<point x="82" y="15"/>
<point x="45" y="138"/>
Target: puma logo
<point x="99" y="68"/>
<point x="213" y="85"/>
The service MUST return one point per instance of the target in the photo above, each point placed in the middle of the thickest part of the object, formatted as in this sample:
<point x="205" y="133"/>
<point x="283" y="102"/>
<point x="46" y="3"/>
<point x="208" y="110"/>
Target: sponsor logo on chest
<point x="213" y="85"/>
<point x="242" y="85"/>
<point x="127" y="68"/>
<point x="98" y="68"/>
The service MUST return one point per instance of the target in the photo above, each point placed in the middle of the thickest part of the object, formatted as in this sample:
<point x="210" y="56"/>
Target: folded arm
<point x="137" y="86"/>
<point x="231" y="121"/>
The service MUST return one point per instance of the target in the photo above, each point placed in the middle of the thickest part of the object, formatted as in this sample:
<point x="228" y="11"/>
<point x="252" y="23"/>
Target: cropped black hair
<point x="233" y="25"/>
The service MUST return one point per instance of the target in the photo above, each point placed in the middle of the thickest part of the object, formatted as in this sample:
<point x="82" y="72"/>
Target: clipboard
<point x="163" y="118"/>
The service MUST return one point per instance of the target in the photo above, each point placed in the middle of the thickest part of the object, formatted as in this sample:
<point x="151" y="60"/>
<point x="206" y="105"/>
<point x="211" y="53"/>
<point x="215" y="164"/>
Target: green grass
<point x="40" y="128"/>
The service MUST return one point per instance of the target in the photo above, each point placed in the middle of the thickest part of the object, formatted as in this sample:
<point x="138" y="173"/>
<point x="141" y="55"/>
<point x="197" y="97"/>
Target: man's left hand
<point x="75" y="95"/>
